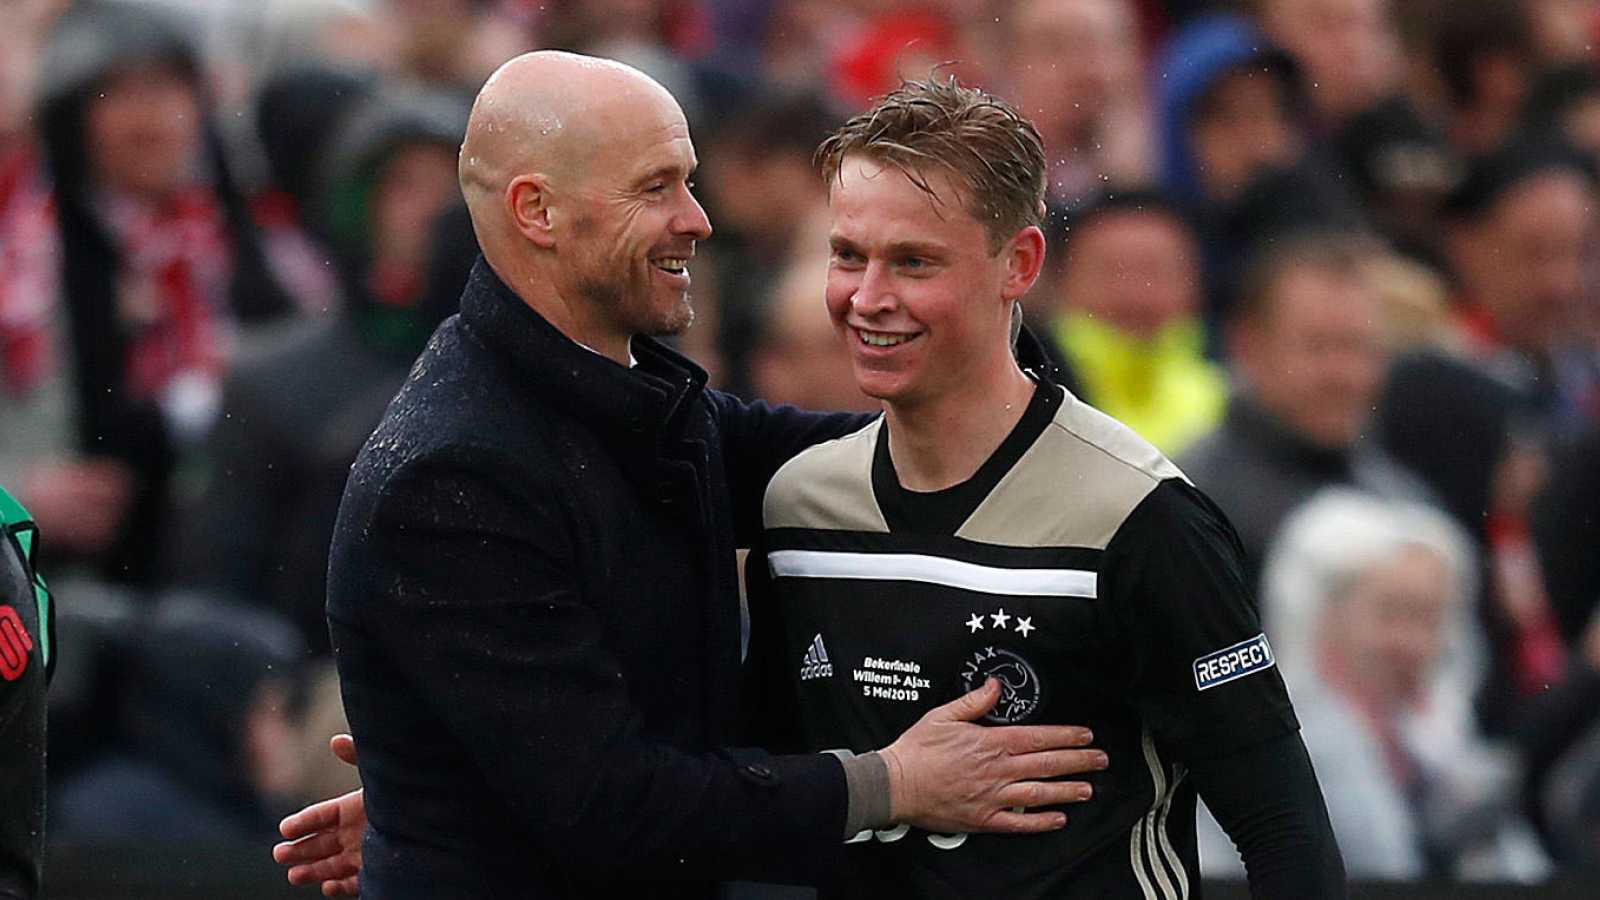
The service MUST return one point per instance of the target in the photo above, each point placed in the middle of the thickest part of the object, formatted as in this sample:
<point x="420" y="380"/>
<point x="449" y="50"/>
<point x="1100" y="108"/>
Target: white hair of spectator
<point x="1329" y="543"/>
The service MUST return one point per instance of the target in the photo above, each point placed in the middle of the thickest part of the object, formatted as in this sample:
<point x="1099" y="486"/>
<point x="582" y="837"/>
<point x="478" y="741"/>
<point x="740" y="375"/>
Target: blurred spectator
<point x="1229" y="108"/>
<point x="349" y="33"/>
<point x="456" y="43"/>
<point x="211" y="701"/>
<point x="1234" y="145"/>
<point x="34" y="405"/>
<point x="1349" y="54"/>
<point x="1477" y="426"/>
<point x="1566" y="527"/>
<point x="1402" y="170"/>
<point x="1570" y="802"/>
<point x="298" y="112"/>
<point x="1485" y="56"/>
<point x="1563" y="733"/>
<point x="1073" y="67"/>
<point x="897" y="41"/>
<point x="1367" y="603"/>
<point x="663" y="38"/>
<point x="390" y="171"/>
<point x="1564" y="31"/>
<point x="160" y="259"/>
<point x="797" y="356"/>
<point x="1127" y="325"/>
<point x="1415" y="296"/>
<point x="798" y="41"/>
<point x="1348" y="51"/>
<point x="761" y="154"/>
<point x="1565" y="103"/>
<point x="1308" y="355"/>
<point x="28" y="653"/>
<point x="295" y="417"/>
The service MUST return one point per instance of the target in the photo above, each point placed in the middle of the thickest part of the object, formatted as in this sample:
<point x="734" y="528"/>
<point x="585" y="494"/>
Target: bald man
<point x="531" y="590"/>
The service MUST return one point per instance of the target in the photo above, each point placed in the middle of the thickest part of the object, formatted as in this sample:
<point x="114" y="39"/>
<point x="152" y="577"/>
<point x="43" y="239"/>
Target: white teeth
<point x="880" y="339"/>
<point x="672" y="264"/>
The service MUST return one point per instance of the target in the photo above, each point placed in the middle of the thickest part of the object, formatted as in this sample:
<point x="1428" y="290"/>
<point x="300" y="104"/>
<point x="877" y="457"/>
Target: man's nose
<point x="875" y="294"/>
<point x="692" y="221"/>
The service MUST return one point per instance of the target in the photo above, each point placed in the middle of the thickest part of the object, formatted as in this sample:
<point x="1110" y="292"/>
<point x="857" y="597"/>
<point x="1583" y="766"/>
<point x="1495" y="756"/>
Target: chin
<point x="881" y="389"/>
<point x="675" y="322"/>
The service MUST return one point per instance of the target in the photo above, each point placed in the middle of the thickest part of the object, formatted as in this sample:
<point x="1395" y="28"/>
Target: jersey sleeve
<point x="1203" y="675"/>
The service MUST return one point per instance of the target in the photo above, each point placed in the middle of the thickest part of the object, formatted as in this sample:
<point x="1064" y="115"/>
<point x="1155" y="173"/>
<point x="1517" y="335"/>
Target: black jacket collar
<point x="626" y="405"/>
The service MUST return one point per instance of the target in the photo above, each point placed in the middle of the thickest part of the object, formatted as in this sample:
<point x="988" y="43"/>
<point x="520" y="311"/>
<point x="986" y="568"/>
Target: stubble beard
<point x="630" y="306"/>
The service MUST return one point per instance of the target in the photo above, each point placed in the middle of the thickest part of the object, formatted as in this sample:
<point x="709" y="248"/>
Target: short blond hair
<point x="993" y="150"/>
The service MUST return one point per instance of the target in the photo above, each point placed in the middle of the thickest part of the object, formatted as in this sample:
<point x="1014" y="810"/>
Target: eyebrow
<point x="893" y="249"/>
<point x="665" y="172"/>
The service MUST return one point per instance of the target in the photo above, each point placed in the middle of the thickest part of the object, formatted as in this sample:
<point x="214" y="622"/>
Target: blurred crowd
<point x="1337" y="257"/>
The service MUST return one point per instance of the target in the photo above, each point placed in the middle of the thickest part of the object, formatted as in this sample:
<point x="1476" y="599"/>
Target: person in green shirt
<point x="27" y="658"/>
<point x="1128" y="332"/>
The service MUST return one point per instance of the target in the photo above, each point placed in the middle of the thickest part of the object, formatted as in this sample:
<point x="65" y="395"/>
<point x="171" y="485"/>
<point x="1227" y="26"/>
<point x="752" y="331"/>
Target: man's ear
<point x="1024" y="261"/>
<point x="527" y="200"/>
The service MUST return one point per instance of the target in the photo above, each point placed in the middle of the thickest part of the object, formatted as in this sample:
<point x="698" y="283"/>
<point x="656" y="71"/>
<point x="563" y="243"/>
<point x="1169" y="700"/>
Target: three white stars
<point x="1025" y="624"/>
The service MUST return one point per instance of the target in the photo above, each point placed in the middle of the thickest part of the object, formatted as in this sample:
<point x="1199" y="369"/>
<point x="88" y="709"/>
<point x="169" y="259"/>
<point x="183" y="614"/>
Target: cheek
<point x="840" y="287"/>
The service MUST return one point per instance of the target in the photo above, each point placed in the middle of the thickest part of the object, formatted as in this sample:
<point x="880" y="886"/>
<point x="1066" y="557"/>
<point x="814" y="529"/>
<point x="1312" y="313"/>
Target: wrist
<point x="899" y="799"/>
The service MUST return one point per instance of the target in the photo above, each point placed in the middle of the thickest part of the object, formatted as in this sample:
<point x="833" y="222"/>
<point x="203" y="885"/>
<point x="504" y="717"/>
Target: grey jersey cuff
<point x="866" y="779"/>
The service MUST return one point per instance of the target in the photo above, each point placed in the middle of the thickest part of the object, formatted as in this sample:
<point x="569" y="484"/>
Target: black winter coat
<point x="534" y="610"/>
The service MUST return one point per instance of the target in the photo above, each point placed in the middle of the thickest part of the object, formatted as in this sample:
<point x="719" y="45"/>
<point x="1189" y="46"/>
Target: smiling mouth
<point x="883" y="338"/>
<point x="672" y="265"/>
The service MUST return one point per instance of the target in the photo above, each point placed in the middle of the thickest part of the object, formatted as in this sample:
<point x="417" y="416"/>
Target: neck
<point x="571" y="316"/>
<point x="942" y="442"/>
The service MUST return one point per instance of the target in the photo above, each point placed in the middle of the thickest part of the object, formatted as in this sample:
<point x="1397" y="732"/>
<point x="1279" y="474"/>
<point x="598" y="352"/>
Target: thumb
<point x="974" y="704"/>
<point x="344" y="747"/>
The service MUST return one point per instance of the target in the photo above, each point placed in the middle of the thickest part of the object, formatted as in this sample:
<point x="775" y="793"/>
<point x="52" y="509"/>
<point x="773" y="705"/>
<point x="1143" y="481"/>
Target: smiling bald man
<point x="531" y="590"/>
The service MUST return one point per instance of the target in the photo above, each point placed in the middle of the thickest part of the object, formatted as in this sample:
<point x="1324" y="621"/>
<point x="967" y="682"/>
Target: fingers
<point x="333" y="869"/>
<point x="1020" y="739"/>
<point x="970" y="706"/>
<point x="344" y="747"/>
<point x="307" y="849"/>
<point x="1056" y="763"/>
<point x="1012" y="822"/>
<point x="1032" y="794"/>
<point x="317" y="817"/>
<point x="343" y="887"/>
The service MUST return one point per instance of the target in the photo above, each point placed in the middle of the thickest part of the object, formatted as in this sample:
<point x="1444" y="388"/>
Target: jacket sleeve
<point x="758" y="438"/>
<point x="479" y="593"/>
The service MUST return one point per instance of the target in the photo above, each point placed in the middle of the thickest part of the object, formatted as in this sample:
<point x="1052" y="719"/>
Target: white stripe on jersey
<point x="1150" y="844"/>
<point x="934" y="570"/>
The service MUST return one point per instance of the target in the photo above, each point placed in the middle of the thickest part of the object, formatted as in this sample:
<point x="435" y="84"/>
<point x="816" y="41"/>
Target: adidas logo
<point x="815" y="664"/>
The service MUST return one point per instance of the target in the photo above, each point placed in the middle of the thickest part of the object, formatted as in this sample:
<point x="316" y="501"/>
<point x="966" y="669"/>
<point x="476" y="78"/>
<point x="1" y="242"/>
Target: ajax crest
<point x="1020" y="690"/>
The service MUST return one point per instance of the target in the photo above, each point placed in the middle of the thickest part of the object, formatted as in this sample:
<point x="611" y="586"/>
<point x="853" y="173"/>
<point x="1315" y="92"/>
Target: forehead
<point x="1078" y="18"/>
<point x="876" y="201"/>
<point x="639" y="134"/>
<point x="1107" y="231"/>
<point x="1319" y="296"/>
<point x="1240" y="91"/>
